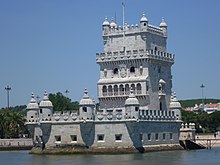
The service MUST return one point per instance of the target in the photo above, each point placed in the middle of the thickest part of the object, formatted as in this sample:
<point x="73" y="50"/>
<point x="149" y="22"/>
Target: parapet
<point x="135" y="54"/>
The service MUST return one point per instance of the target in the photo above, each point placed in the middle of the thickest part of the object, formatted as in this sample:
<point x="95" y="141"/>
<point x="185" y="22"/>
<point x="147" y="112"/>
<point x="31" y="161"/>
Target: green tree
<point x="62" y="103"/>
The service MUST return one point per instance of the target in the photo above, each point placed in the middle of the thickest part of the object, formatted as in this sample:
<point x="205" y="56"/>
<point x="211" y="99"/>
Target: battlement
<point x="118" y="30"/>
<point x="135" y="54"/>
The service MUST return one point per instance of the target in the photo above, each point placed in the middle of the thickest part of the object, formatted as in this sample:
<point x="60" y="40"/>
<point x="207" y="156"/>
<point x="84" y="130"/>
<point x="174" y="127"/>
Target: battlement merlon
<point x="135" y="54"/>
<point x="118" y="31"/>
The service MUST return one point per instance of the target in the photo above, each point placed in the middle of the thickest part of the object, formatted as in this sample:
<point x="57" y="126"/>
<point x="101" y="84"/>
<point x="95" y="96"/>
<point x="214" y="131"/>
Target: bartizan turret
<point x="46" y="108"/>
<point x="87" y="106"/>
<point x="132" y="106"/>
<point x="32" y="110"/>
<point x="163" y="26"/>
<point x="175" y="106"/>
<point x="143" y="23"/>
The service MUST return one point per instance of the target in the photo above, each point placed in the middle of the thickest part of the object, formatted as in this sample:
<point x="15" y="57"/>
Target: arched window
<point x="110" y="93"/>
<point x="155" y="48"/>
<point x="132" y="69"/>
<point x="84" y="109"/>
<point x="104" y="90"/>
<point x="115" y="90"/>
<point x="121" y="90"/>
<point x="115" y="71"/>
<point x="133" y="88"/>
<point x="139" y="88"/>
<point x="127" y="89"/>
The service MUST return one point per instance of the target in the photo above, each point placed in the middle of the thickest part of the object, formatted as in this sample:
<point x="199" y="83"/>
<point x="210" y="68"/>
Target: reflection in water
<point x="199" y="157"/>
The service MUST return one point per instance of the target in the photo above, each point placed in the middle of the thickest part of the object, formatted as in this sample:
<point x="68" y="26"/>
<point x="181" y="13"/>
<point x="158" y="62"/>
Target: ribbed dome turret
<point x="144" y="18"/>
<point x="131" y="100"/>
<point x="46" y="102"/>
<point x="113" y="24"/>
<point x="106" y="22"/>
<point x="174" y="104"/>
<point x="86" y="99"/>
<point x="163" y="23"/>
<point x="32" y="104"/>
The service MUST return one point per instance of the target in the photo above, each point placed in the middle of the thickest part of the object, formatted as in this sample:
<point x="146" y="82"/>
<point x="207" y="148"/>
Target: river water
<point x="197" y="157"/>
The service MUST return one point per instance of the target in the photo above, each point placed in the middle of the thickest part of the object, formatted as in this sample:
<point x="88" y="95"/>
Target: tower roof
<point x="144" y="18"/>
<point x="163" y="23"/>
<point x="113" y="24"/>
<point x="86" y="99"/>
<point x="174" y="103"/>
<point x="106" y="22"/>
<point x="46" y="102"/>
<point x="131" y="100"/>
<point x="32" y="104"/>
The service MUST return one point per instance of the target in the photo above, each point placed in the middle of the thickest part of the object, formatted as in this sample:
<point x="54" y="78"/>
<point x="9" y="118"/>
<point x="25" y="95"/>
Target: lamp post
<point x="8" y="90"/>
<point x="202" y="87"/>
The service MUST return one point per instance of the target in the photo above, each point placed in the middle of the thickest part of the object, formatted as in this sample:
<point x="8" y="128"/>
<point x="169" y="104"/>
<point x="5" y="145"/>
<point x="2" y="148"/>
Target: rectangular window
<point x="118" y="137"/>
<point x="164" y="136"/>
<point x="58" y="139"/>
<point x="149" y="136"/>
<point x="40" y="110"/>
<point x="156" y="136"/>
<point x="73" y="138"/>
<point x="171" y="136"/>
<point x="100" y="138"/>
<point x="141" y="137"/>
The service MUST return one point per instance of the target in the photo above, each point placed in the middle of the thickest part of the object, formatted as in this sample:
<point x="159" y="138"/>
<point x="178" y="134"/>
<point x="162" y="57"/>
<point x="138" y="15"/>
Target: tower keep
<point x="135" y="58"/>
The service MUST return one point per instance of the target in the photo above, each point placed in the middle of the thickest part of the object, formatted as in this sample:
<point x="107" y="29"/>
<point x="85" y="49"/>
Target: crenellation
<point x="135" y="54"/>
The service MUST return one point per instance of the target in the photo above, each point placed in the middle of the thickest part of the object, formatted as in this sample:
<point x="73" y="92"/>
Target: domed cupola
<point x="131" y="100"/>
<point x="46" y="103"/>
<point x="175" y="106"/>
<point x="86" y="99"/>
<point x="144" y="19"/>
<point x="113" y="24"/>
<point x="32" y="110"/>
<point x="132" y="107"/>
<point x="163" y="24"/>
<point x="87" y="106"/>
<point x="106" y="22"/>
<point x="32" y="105"/>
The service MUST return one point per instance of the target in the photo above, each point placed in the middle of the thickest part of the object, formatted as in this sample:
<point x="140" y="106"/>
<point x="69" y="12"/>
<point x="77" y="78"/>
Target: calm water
<point x="199" y="157"/>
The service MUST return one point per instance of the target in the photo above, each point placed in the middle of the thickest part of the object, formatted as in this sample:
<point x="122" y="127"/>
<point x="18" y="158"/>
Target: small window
<point x="145" y="24"/>
<point x="84" y="109"/>
<point x="164" y="136"/>
<point x="100" y="138"/>
<point x="58" y="138"/>
<point x="32" y="116"/>
<point x="40" y="110"/>
<point x="48" y="115"/>
<point x="141" y="137"/>
<point x="156" y="136"/>
<point x="136" y="109"/>
<point x="171" y="136"/>
<point x="73" y="138"/>
<point x="132" y="69"/>
<point x="118" y="137"/>
<point x="149" y="136"/>
<point x="115" y="71"/>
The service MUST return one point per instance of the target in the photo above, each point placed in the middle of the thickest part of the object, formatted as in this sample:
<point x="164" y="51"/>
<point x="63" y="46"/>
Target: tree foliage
<point x="62" y="103"/>
<point x="204" y="122"/>
<point x="12" y="124"/>
<point x="192" y="102"/>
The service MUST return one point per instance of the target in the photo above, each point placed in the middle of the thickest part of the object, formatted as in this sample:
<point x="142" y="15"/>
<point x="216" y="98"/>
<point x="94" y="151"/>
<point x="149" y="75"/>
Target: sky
<point x="52" y="44"/>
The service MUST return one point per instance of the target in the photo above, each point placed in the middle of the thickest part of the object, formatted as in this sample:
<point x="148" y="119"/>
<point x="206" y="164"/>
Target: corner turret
<point x="175" y="106"/>
<point x="143" y="23"/>
<point x="87" y="106"/>
<point x="46" y="108"/>
<point x="163" y="26"/>
<point x="32" y="110"/>
<point x="105" y="26"/>
<point x="132" y="106"/>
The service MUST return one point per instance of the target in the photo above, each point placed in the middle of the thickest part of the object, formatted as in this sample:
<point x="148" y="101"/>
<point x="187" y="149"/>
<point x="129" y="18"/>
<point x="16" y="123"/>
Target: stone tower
<point x="135" y="58"/>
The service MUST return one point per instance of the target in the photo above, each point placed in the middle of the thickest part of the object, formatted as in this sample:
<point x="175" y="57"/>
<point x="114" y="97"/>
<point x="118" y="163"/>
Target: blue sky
<point x="52" y="44"/>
